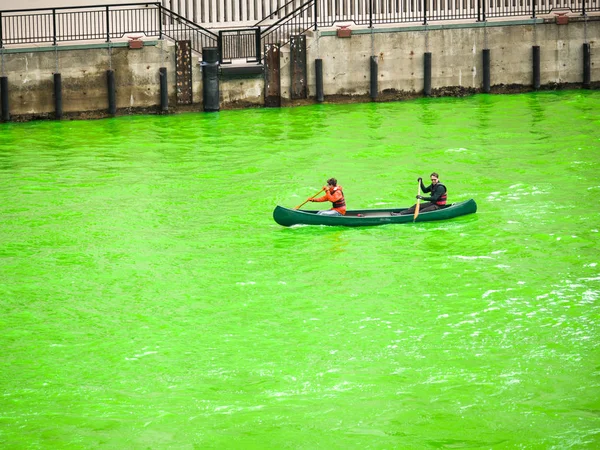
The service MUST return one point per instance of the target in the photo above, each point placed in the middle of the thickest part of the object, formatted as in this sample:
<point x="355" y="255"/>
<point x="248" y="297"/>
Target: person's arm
<point x="423" y="188"/>
<point x="328" y="197"/>
<point x="335" y="197"/>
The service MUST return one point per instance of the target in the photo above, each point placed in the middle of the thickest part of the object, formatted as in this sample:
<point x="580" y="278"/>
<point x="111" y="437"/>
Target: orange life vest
<point x="342" y="201"/>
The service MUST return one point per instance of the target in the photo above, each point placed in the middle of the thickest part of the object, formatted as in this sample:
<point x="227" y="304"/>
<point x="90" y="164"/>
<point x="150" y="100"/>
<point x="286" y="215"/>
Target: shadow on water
<point x="537" y="116"/>
<point x="375" y="116"/>
<point x="7" y="136"/>
<point x="485" y="107"/>
<point x="427" y="114"/>
<point x="536" y="109"/>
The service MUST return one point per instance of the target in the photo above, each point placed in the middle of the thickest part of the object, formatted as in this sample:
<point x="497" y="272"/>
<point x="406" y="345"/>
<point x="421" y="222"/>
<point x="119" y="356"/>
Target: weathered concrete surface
<point x="456" y="57"/>
<point x="456" y="68"/>
<point x="242" y="92"/>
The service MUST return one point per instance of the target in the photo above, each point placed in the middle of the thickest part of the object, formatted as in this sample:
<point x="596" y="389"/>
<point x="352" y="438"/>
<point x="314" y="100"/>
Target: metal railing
<point x="231" y="13"/>
<point x="246" y="13"/>
<point x="373" y="12"/>
<point x="107" y="22"/>
<point x="298" y="21"/>
<point x="179" y="28"/>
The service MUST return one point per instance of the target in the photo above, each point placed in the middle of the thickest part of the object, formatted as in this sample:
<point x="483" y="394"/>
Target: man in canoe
<point x="437" y="199"/>
<point x="335" y="195"/>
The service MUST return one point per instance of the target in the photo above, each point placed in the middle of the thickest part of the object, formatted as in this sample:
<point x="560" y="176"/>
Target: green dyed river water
<point x="149" y="301"/>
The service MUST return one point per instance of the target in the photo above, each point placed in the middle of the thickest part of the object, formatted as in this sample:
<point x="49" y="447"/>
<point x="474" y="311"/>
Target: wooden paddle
<point x="417" y="206"/>
<point x="309" y="198"/>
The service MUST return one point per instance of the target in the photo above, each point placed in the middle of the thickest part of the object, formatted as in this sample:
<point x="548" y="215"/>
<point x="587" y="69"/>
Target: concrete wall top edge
<point x="68" y="47"/>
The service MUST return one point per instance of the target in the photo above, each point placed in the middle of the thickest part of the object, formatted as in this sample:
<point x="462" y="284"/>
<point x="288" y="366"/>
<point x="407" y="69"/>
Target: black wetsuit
<point x="437" y="192"/>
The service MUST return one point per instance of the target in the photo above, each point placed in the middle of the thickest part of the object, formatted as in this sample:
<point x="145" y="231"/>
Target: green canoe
<point x="369" y="217"/>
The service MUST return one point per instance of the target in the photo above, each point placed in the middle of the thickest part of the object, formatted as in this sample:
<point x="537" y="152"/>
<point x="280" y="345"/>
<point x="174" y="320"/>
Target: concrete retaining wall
<point x="456" y="67"/>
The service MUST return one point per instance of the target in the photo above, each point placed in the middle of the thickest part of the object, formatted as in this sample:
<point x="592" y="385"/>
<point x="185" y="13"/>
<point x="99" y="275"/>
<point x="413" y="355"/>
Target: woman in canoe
<point x="438" y="196"/>
<point x="335" y="195"/>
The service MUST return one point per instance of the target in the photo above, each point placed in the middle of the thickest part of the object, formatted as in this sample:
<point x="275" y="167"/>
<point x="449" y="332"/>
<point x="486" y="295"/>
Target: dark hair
<point x="332" y="182"/>
<point x="434" y="174"/>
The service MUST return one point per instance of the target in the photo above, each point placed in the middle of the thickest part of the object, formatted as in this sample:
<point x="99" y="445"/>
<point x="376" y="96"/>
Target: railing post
<point x="484" y="16"/>
<point x="371" y="13"/>
<point x="54" y="26"/>
<point x="424" y="12"/>
<point x="258" y="46"/>
<point x="107" y="25"/>
<point x="316" y="14"/>
<point x="0" y="29"/>
<point x="160" y="21"/>
<point x="480" y="10"/>
<point x="533" y="7"/>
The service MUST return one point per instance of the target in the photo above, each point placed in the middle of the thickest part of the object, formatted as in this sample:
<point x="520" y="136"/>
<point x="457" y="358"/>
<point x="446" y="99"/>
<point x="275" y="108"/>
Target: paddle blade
<point x="417" y="206"/>
<point x="416" y="211"/>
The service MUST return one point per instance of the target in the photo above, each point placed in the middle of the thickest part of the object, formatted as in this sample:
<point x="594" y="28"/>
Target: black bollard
<point x="319" y="75"/>
<point x="58" y="108"/>
<point x="427" y="74"/>
<point x="164" y="90"/>
<point x="4" y="99"/>
<point x="486" y="70"/>
<point x="536" y="67"/>
<point x="210" y="78"/>
<point x="374" y="72"/>
<point x="112" y="97"/>
<point x="587" y="72"/>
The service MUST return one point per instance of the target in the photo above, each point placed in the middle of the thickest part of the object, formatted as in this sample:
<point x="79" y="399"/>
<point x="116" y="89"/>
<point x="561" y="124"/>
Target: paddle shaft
<point x="309" y="198"/>
<point x="417" y="206"/>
